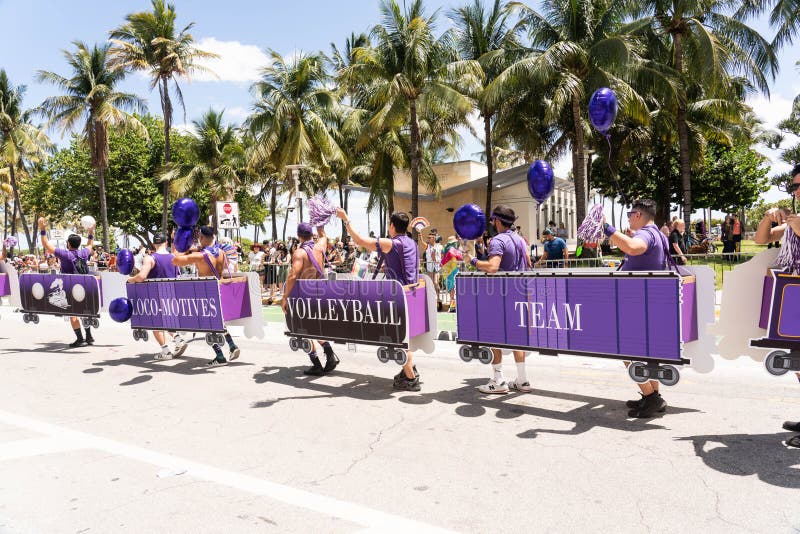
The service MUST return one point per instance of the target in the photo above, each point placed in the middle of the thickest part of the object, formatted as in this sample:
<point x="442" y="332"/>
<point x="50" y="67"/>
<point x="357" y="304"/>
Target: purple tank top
<point x="163" y="267"/>
<point x="401" y="260"/>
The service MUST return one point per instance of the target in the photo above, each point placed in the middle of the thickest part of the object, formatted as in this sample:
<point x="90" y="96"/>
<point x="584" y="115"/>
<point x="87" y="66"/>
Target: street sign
<point x="227" y="215"/>
<point x="56" y="234"/>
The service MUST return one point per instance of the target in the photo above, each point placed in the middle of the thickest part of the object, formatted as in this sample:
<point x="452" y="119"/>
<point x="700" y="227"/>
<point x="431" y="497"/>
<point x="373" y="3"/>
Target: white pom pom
<point x="87" y="221"/>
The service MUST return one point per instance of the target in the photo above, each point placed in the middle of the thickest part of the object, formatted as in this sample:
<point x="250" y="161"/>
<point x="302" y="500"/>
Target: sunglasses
<point x="630" y="213"/>
<point x="791" y="188"/>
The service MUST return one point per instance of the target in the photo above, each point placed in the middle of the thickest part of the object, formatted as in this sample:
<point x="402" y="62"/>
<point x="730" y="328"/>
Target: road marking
<point x="62" y="438"/>
<point x="24" y="448"/>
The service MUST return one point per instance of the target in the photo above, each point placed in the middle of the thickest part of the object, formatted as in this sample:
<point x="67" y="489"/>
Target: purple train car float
<point x="644" y="317"/>
<point x="71" y="295"/>
<point x="380" y="313"/>
<point x="188" y="305"/>
<point x="780" y="315"/>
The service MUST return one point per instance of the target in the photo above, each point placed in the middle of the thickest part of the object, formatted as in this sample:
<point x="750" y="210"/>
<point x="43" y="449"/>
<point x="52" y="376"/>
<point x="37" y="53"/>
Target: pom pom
<point x="789" y="256"/>
<point x="10" y="242"/>
<point x="320" y="210"/>
<point x="87" y="221"/>
<point x="591" y="229"/>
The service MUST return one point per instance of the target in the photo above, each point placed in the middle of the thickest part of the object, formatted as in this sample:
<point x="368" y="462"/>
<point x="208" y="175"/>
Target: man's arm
<point x="147" y="264"/>
<point x="542" y="259"/>
<point x="90" y="238"/>
<point x="369" y="244"/>
<point x="633" y="246"/>
<point x="765" y="233"/>
<point x="183" y="260"/>
<point x="294" y="273"/>
<point x="46" y="244"/>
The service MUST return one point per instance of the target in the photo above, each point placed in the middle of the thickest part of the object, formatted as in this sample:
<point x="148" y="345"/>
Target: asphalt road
<point x="104" y="439"/>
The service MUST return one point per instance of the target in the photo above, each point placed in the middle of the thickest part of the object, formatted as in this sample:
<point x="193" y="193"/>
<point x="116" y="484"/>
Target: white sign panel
<point x="227" y="215"/>
<point x="56" y="234"/>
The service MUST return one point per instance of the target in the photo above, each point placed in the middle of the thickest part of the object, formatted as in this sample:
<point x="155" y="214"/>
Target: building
<point x="464" y="182"/>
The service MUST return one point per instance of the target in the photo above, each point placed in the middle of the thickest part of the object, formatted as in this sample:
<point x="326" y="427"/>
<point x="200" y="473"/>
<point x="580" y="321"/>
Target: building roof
<point x="501" y="180"/>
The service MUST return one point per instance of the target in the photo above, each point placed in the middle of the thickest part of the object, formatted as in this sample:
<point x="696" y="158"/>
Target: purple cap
<point x="304" y="230"/>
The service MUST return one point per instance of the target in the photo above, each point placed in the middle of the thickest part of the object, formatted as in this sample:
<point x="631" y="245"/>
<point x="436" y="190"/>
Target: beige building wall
<point x="449" y="174"/>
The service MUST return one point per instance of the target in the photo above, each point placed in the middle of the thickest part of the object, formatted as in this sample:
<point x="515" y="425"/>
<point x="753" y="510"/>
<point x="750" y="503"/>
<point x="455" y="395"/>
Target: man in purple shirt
<point x="399" y="256"/>
<point x="73" y="260"/>
<point x="507" y="253"/>
<point x="646" y="250"/>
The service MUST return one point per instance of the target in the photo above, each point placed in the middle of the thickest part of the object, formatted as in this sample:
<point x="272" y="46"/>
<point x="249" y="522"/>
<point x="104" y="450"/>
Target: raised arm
<point x="369" y="243"/>
<point x="765" y="233"/>
<point x="49" y="247"/>
<point x="322" y="242"/>
<point x="147" y="263"/>
<point x="182" y="260"/>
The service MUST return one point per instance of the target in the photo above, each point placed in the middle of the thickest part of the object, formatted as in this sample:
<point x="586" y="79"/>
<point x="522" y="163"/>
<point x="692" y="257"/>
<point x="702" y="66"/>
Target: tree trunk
<point x="273" y="208"/>
<point x="346" y="207"/>
<point x="166" y="108"/>
<point x="5" y="219"/>
<point x="415" y="157"/>
<point x="683" y="137"/>
<point x="578" y="167"/>
<point x="101" y="183"/>
<point x="487" y="136"/>
<point x="212" y="211"/>
<point x="18" y="207"/>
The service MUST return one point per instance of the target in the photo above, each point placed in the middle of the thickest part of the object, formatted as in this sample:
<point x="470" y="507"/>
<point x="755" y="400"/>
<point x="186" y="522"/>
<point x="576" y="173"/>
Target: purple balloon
<point x="603" y="109"/>
<point x="185" y="212"/>
<point x="540" y="180"/>
<point x="125" y="261"/>
<point x="184" y="237"/>
<point x="120" y="309"/>
<point x="469" y="221"/>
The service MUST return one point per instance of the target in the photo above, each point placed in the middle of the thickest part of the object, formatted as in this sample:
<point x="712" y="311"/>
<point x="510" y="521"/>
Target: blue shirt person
<point x="555" y="251"/>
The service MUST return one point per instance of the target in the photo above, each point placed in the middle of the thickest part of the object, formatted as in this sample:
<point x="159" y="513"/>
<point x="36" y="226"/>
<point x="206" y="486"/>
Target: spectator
<point x="737" y="233"/>
<point x="256" y="260"/>
<point x="555" y="251"/>
<point x="561" y="232"/>
<point x="677" y="242"/>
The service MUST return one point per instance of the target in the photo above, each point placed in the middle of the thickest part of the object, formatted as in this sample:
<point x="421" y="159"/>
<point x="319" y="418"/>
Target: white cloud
<point x="237" y="62"/>
<point x="771" y="110"/>
<point x="236" y="115"/>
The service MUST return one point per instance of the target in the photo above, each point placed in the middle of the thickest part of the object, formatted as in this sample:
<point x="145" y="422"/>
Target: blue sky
<point x="35" y="31"/>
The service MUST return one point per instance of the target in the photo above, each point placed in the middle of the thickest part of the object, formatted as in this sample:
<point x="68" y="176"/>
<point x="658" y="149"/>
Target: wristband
<point x="90" y="237"/>
<point x="473" y="262"/>
<point x="609" y="230"/>
<point x="43" y="233"/>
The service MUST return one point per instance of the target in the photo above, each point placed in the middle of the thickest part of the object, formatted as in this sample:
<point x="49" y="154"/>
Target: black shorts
<point x="737" y="238"/>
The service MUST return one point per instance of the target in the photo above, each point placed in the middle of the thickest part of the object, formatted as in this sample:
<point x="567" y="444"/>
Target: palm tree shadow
<point x="149" y="366"/>
<point x="751" y="454"/>
<point x="52" y="348"/>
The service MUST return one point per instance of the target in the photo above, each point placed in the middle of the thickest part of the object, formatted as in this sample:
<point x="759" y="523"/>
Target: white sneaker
<point x="180" y="348"/>
<point x="164" y="356"/>
<point x="493" y="388"/>
<point x="234" y="354"/>
<point x="525" y="387"/>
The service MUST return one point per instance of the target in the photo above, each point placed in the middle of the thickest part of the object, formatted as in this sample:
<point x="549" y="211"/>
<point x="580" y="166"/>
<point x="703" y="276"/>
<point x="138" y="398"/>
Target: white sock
<point x="164" y="349"/>
<point x="177" y="338"/>
<point x="498" y="373"/>
<point x="522" y="376"/>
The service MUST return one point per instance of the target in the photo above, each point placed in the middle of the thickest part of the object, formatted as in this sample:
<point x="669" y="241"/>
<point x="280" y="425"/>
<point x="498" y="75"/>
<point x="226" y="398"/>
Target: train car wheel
<point x="26" y="318"/>
<point x="400" y="356"/>
<point x="383" y="354"/>
<point x="293" y="344"/>
<point x="35" y="319"/>
<point x="135" y="335"/>
<point x="769" y="363"/>
<point x="96" y="323"/>
<point x="209" y="338"/>
<point x="465" y="353"/>
<point x="307" y="346"/>
<point x="638" y="372"/>
<point x="485" y="355"/>
<point x="670" y="375"/>
<point x="145" y="335"/>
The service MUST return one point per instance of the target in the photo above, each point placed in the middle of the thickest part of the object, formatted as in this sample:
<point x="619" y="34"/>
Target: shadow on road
<point x="751" y="454"/>
<point x="55" y="348"/>
<point x="595" y="412"/>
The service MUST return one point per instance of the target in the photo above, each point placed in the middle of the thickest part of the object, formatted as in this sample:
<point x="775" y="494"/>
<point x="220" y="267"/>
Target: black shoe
<point x="791" y="426"/>
<point x="792" y="443"/>
<point x="218" y="362"/>
<point x="650" y="405"/>
<point x="402" y="374"/>
<point x="635" y="403"/>
<point x="407" y="385"/>
<point x="77" y="343"/>
<point x="315" y="370"/>
<point x="331" y="361"/>
<point x="89" y="340"/>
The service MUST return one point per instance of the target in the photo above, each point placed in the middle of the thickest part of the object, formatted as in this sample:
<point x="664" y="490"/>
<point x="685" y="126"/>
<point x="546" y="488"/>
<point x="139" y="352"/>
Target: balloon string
<point x="613" y="174"/>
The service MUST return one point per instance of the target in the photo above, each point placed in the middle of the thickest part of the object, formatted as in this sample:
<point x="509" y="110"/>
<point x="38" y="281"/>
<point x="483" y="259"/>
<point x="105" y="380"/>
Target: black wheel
<point x="400" y="357"/>
<point x="485" y="355"/>
<point x="293" y="344"/>
<point x="769" y="363"/>
<point x="669" y="375"/>
<point x="26" y="318"/>
<point x="135" y="335"/>
<point x="383" y="354"/>
<point x="638" y="372"/>
<point x="307" y="346"/>
<point x="465" y="353"/>
<point x="210" y="339"/>
<point x="145" y="335"/>
<point x="35" y="319"/>
<point x="96" y="323"/>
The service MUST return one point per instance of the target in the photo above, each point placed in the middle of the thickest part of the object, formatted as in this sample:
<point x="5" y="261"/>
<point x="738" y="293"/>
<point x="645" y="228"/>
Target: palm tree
<point x="708" y="47"/>
<point x="293" y="113"/>
<point x="19" y="141"/>
<point x="150" y="42"/>
<point x="89" y="97"/>
<point x="217" y="162"/>
<point x="577" y="47"/>
<point x="784" y="15"/>
<point x="408" y="68"/>
<point x="489" y="39"/>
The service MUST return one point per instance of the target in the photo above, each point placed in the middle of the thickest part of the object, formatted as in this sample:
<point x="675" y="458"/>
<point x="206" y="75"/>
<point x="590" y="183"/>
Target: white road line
<point x="67" y="439"/>
<point x="24" y="448"/>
